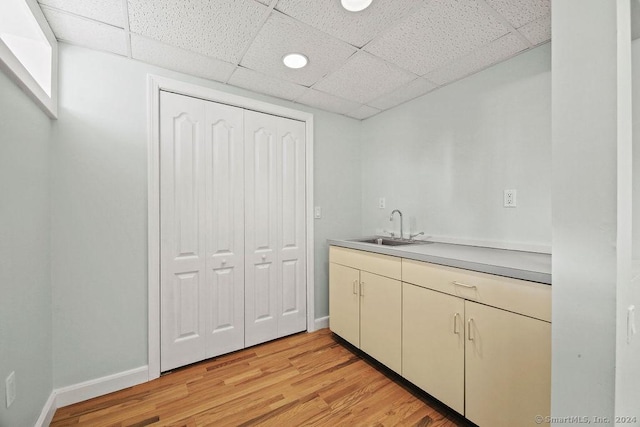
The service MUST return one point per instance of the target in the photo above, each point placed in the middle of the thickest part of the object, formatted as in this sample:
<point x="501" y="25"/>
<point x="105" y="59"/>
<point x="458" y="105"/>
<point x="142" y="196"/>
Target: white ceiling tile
<point x="487" y="55"/>
<point x="364" y="77"/>
<point x="281" y="35"/>
<point x="355" y="28"/>
<point x="107" y="11"/>
<point x="363" y="112"/>
<point x="174" y="58"/>
<point x="520" y="12"/>
<point x="252" y="80"/>
<point x="324" y="101"/>
<point x="439" y="32"/>
<point x="538" y="31"/>
<point x="407" y="92"/>
<point x="85" y="32"/>
<point x="221" y="29"/>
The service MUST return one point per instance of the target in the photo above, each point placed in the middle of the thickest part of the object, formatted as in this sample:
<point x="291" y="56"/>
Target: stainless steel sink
<point x="389" y="241"/>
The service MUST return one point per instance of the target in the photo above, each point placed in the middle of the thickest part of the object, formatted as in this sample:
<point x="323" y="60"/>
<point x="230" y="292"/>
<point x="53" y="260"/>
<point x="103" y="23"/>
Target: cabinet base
<point x="425" y="397"/>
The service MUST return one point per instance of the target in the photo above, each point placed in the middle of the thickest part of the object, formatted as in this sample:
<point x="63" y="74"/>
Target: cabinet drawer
<point x="519" y="296"/>
<point x="384" y="265"/>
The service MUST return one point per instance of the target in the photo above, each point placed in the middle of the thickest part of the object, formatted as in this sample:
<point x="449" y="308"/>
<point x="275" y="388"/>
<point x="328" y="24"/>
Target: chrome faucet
<point x="391" y="219"/>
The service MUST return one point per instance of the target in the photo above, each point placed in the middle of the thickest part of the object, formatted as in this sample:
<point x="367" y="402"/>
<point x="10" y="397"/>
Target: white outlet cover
<point x="510" y="199"/>
<point x="317" y="212"/>
<point x="382" y="203"/>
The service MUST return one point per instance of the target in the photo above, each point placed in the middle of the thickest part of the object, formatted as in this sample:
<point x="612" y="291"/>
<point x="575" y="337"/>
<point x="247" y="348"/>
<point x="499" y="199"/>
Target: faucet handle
<point x="411" y="236"/>
<point x="390" y="233"/>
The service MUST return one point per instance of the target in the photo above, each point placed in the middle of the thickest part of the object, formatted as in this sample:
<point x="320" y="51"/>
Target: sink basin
<point x="389" y="241"/>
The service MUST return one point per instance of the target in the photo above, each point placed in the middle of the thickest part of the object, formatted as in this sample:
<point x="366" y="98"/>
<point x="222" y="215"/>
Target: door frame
<point x="155" y="84"/>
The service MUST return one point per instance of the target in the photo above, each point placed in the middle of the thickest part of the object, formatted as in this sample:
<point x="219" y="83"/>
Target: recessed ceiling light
<point x="355" y="5"/>
<point x="295" y="60"/>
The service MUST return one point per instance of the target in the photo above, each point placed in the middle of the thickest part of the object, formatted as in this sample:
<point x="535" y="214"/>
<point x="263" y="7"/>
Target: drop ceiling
<point x="359" y="63"/>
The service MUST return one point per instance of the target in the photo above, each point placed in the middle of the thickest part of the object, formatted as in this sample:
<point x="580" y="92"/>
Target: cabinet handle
<point x="361" y="289"/>
<point x="355" y="289"/>
<point x="465" y="285"/>
<point x="469" y="336"/>
<point x="456" y="329"/>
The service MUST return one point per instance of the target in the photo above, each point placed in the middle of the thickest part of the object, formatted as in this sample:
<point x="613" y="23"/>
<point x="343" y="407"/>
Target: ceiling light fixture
<point x="295" y="60"/>
<point x="355" y="5"/>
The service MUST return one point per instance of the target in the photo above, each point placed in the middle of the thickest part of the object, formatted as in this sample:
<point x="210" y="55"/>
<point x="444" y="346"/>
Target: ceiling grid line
<point x="70" y="27"/>
<point x="506" y="23"/>
<point x="262" y="21"/>
<point x="127" y="30"/>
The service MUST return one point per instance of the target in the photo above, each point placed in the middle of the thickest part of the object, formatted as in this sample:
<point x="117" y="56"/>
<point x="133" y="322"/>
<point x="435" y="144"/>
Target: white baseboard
<point x="322" y="322"/>
<point x="80" y="392"/>
<point x="100" y="386"/>
<point x="48" y="411"/>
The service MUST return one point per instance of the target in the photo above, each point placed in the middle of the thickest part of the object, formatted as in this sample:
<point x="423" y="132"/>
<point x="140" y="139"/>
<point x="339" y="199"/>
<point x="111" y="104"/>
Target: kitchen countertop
<point x="531" y="266"/>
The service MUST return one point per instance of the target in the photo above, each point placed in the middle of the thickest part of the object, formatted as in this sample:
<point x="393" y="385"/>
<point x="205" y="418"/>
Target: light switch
<point x="317" y="212"/>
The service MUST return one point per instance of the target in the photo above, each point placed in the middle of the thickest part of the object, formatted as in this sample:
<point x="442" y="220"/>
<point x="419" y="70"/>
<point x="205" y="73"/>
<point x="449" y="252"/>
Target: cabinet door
<point x="433" y="343"/>
<point x="344" y="302"/>
<point x="261" y="223"/>
<point x="275" y="242"/>
<point x="381" y="319"/>
<point x="291" y="239"/>
<point x="224" y="183"/>
<point x="508" y="367"/>
<point x="183" y="289"/>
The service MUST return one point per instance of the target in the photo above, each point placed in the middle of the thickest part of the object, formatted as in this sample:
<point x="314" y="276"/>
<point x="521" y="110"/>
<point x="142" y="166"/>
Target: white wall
<point x="99" y="214"/>
<point x="25" y="289"/>
<point x="585" y="208"/>
<point x="445" y="158"/>
<point x="628" y="368"/>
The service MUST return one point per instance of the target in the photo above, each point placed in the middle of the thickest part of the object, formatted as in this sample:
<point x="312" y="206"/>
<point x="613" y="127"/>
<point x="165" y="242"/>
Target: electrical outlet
<point x="10" y="384"/>
<point x="317" y="212"/>
<point x="509" y="198"/>
<point x="382" y="203"/>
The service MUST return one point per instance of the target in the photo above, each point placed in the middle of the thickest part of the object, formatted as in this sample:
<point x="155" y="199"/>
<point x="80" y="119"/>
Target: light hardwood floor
<point x="302" y="380"/>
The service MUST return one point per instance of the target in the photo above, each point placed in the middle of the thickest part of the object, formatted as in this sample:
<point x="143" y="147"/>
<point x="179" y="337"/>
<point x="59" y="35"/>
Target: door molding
<point x="155" y="84"/>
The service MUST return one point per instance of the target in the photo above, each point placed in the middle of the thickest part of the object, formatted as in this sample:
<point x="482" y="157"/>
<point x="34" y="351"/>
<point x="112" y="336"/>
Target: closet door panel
<point x="233" y="228"/>
<point x="261" y="272"/>
<point x="291" y="226"/>
<point x="183" y="292"/>
<point x="224" y="168"/>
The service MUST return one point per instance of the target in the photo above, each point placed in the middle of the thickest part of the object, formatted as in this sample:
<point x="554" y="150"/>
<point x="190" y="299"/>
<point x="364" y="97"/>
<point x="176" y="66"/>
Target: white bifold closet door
<point x="202" y="230"/>
<point x="232" y="225"/>
<point x="275" y="263"/>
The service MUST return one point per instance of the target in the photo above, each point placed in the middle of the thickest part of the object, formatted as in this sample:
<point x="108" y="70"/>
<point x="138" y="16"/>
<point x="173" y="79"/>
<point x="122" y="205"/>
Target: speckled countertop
<point x="532" y="266"/>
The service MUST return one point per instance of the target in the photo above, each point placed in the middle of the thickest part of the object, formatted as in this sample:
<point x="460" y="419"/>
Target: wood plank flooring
<point x="302" y="380"/>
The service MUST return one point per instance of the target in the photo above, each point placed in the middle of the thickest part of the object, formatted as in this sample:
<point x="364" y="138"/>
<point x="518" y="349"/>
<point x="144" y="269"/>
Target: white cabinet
<point x="479" y="343"/>
<point x="344" y="302"/>
<point x="365" y="305"/>
<point x="232" y="200"/>
<point x="380" y="319"/>
<point x="433" y="343"/>
<point x="508" y="367"/>
<point x="494" y="330"/>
